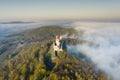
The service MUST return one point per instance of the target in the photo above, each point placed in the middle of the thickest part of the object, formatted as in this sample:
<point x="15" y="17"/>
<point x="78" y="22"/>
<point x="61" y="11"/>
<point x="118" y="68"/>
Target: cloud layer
<point x="106" y="55"/>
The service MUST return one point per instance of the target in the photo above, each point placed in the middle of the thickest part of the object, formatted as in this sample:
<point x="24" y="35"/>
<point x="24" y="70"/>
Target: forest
<point x="34" y="61"/>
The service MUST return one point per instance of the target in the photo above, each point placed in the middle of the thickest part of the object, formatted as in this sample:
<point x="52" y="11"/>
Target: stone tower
<point x="57" y="45"/>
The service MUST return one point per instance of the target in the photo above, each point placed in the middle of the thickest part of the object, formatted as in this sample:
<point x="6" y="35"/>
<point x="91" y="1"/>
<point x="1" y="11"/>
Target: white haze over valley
<point x="7" y="29"/>
<point x="13" y="27"/>
<point x="106" y="55"/>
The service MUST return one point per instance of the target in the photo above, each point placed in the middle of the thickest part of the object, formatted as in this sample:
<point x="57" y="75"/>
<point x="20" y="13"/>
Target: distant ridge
<point x="16" y="22"/>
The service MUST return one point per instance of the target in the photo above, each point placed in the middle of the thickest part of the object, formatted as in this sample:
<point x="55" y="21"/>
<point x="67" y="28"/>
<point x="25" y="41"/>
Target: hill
<point x="11" y="43"/>
<point x="35" y="63"/>
<point x="34" y="60"/>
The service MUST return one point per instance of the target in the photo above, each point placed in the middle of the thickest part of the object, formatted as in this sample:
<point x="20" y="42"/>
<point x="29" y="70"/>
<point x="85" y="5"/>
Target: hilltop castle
<point x="58" y="45"/>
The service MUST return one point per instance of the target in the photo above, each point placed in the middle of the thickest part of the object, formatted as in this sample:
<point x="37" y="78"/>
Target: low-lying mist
<point x="10" y="28"/>
<point x="105" y="54"/>
<point x="13" y="27"/>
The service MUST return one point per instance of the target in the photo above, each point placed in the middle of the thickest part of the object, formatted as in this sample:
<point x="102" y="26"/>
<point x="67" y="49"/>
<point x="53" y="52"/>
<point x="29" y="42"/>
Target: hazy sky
<point x="60" y="9"/>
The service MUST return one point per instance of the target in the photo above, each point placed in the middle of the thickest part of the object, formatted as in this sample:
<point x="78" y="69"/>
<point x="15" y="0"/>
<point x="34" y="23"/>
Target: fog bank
<point x="106" y="51"/>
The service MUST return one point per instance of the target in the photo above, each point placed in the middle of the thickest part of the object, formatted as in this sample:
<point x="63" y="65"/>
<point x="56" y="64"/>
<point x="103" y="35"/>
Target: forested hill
<point x="35" y="61"/>
<point x="47" y="32"/>
<point x="43" y="33"/>
<point x="9" y="44"/>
